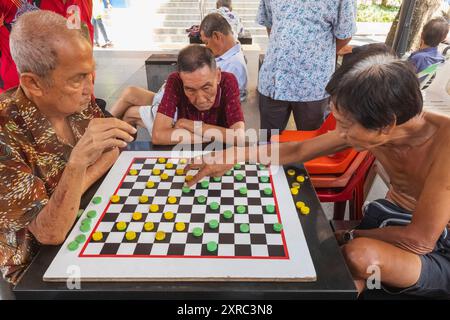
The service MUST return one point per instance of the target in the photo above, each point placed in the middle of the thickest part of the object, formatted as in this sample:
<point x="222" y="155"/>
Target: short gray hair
<point x="223" y="3"/>
<point x="33" y="41"/>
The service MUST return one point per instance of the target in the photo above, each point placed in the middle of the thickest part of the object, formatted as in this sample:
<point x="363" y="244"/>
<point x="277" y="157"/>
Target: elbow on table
<point x="157" y="137"/>
<point x="50" y="239"/>
<point x="419" y="244"/>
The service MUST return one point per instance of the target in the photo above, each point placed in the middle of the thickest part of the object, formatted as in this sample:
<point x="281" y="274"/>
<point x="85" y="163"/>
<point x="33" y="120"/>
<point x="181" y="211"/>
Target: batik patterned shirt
<point x="301" y="55"/>
<point x="32" y="160"/>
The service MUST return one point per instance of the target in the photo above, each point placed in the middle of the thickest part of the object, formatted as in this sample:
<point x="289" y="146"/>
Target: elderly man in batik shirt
<point x="54" y="140"/>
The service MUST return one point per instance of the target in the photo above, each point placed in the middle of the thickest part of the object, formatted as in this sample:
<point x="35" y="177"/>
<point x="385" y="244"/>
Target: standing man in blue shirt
<point x="304" y="37"/>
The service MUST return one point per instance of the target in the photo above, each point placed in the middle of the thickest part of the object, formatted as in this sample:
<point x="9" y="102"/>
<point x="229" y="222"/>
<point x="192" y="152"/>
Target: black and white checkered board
<point x="261" y="242"/>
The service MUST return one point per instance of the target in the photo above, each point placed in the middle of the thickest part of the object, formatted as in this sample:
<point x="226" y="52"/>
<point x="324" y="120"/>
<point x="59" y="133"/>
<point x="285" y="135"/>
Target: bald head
<point x="36" y="38"/>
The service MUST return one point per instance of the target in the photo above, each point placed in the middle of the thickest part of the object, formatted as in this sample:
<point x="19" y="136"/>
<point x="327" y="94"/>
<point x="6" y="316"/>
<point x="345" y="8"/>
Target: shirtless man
<point x="377" y="103"/>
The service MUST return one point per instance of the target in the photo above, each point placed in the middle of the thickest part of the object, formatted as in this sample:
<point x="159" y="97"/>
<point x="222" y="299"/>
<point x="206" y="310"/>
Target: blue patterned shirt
<point x="301" y="56"/>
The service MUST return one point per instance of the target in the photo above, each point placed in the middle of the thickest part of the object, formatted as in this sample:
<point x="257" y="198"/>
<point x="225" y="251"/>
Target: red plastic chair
<point x="336" y="164"/>
<point x="353" y="192"/>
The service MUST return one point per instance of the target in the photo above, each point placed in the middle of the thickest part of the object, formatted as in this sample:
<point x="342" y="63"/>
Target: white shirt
<point x="233" y="61"/>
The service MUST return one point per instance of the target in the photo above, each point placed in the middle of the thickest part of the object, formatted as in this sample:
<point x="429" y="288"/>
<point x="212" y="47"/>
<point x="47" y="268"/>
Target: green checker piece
<point x="277" y="227"/>
<point x="80" y="238"/>
<point x="214" y="224"/>
<point x="228" y="214"/>
<point x="212" y="246"/>
<point x="92" y="214"/>
<point x="205" y="184"/>
<point x="229" y="173"/>
<point x="243" y="191"/>
<point x="214" y="206"/>
<point x="201" y="199"/>
<point x="241" y="209"/>
<point x="97" y="200"/>
<point x="186" y="189"/>
<point x="217" y="179"/>
<point x="262" y="167"/>
<point x="85" y="227"/>
<point x="264" y="179"/>
<point x="239" y="177"/>
<point x="237" y="166"/>
<point x="73" y="246"/>
<point x="197" y="232"/>
<point x="86" y="221"/>
<point x="245" y="228"/>
<point x="268" y="191"/>
<point x="270" y="208"/>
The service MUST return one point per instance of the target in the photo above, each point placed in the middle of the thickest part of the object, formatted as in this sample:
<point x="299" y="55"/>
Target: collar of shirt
<point x="40" y="127"/>
<point x="230" y="53"/>
<point x="218" y="97"/>
<point x="433" y="50"/>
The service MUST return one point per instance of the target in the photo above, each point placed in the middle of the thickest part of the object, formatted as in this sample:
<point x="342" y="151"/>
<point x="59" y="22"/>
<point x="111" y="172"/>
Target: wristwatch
<point x="348" y="236"/>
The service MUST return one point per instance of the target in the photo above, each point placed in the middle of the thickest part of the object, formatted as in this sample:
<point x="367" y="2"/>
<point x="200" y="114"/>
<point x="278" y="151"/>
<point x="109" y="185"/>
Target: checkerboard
<point x="181" y="255"/>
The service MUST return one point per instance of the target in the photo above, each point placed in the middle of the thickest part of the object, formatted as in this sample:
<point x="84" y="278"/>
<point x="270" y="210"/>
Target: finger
<point x="112" y="143"/>
<point x="117" y="134"/>
<point x="194" y="164"/>
<point x="106" y="124"/>
<point x="205" y="171"/>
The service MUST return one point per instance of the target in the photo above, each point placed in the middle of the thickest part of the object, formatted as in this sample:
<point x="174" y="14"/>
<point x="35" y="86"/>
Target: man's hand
<point x="100" y="167"/>
<point x="213" y="164"/>
<point x="185" y="124"/>
<point x="101" y="134"/>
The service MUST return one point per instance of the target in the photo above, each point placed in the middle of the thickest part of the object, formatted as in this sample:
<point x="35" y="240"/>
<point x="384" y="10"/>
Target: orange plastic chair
<point x="336" y="164"/>
<point x="339" y="181"/>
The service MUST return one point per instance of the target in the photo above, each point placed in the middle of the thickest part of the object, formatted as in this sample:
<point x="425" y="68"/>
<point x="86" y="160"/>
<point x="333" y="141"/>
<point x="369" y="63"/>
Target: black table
<point x="333" y="278"/>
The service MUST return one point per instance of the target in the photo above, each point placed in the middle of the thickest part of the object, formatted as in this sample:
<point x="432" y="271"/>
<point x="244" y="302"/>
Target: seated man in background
<point x="204" y="97"/>
<point x="54" y="140"/>
<point x="405" y="237"/>
<point x="434" y="32"/>
<point x="138" y="106"/>
<point x="216" y="34"/>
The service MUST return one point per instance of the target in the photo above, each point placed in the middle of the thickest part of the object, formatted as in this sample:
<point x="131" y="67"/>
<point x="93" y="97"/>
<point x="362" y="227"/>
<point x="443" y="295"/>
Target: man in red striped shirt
<point x="205" y="99"/>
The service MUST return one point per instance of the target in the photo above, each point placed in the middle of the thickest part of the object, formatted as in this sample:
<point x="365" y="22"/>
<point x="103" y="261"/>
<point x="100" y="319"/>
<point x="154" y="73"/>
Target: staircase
<point x="178" y="15"/>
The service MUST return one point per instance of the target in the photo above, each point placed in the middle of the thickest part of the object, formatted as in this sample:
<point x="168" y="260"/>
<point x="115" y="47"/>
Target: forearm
<point x="293" y="152"/>
<point x="221" y="134"/>
<point x="275" y="154"/>
<point x="341" y="43"/>
<point x="100" y="168"/>
<point x="174" y="136"/>
<point x="54" y="221"/>
<point x="402" y="237"/>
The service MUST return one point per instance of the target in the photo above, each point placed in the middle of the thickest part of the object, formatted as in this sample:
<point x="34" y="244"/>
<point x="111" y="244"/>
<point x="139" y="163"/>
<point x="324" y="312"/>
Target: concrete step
<point x="195" y="9"/>
<point x="194" y="16"/>
<point x="190" y="22"/>
<point x="236" y="6"/>
<point x="179" y="38"/>
<point x="181" y="31"/>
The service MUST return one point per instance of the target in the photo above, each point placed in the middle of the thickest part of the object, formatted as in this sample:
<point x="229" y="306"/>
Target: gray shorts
<point x="434" y="280"/>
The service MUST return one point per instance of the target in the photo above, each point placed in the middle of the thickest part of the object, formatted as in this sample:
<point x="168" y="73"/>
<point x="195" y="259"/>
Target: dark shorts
<point x="307" y="115"/>
<point x="434" y="280"/>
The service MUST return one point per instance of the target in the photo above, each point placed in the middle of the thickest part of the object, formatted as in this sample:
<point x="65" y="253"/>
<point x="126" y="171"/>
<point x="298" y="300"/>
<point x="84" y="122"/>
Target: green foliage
<point x="376" y="13"/>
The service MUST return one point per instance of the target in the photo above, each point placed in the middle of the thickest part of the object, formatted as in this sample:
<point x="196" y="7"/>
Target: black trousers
<point x="307" y="115"/>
